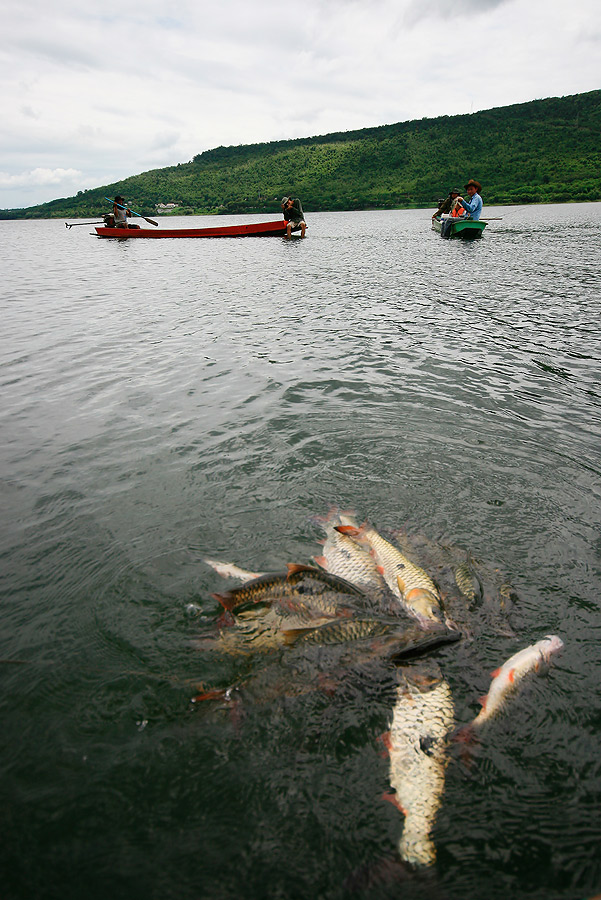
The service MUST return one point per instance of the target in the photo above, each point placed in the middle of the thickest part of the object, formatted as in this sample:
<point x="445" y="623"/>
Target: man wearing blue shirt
<point x="474" y="204"/>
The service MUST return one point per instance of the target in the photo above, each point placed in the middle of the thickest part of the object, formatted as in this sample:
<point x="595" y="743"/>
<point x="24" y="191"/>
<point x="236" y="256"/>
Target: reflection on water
<point x="168" y="401"/>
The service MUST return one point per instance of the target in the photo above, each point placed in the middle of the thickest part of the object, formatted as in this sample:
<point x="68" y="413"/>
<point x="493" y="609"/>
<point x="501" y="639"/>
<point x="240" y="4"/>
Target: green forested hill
<point x="537" y="152"/>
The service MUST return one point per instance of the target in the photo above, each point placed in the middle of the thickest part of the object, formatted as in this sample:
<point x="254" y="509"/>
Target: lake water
<point x="168" y="401"/>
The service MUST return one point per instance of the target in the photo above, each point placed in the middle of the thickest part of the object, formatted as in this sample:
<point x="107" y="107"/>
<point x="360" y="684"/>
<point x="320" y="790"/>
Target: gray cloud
<point x="109" y="91"/>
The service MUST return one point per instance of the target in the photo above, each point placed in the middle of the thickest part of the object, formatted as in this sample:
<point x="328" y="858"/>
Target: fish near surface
<point x="231" y="570"/>
<point x="507" y="678"/>
<point x="351" y="560"/>
<point x="411" y="584"/>
<point x="263" y="632"/>
<point x="422" y="717"/>
<point x="298" y="581"/>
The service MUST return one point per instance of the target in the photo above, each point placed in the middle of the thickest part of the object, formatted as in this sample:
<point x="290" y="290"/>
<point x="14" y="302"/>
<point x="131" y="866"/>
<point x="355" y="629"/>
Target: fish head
<point x="553" y="644"/>
<point x="426" y="606"/>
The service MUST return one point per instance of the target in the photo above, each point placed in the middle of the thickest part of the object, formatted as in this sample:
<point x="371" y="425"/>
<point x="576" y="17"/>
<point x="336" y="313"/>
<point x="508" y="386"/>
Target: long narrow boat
<point x="460" y="227"/>
<point x="257" y="229"/>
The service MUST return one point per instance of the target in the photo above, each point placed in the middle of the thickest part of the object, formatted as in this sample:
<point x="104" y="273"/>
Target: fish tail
<point x="350" y="530"/>
<point x="226" y="599"/>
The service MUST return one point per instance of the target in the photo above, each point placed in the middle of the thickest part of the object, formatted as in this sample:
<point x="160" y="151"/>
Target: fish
<point x="411" y="584"/>
<point x="231" y="570"/>
<point x="422" y="718"/>
<point x="260" y="634"/>
<point x="338" y="632"/>
<point x="298" y="580"/>
<point x="467" y="581"/>
<point x="345" y="557"/>
<point x="510" y="674"/>
<point x="388" y="640"/>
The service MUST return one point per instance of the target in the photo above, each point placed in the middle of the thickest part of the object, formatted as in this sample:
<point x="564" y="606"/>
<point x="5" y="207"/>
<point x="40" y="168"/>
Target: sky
<point x="93" y="92"/>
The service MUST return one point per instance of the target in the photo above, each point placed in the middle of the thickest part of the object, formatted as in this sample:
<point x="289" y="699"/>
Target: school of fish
<point x="372" y="595"/>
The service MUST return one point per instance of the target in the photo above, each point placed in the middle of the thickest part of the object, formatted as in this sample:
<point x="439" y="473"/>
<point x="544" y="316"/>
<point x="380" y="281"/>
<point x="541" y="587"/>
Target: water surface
<point x="167" y="401"/>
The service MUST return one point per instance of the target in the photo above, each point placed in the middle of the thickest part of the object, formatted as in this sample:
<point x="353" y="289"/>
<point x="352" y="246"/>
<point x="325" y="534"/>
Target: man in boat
<point x="293" y="215"/>
<point x="447" y="203"/>
<point x="473" y="206"/>
<point x="120" y="214"/>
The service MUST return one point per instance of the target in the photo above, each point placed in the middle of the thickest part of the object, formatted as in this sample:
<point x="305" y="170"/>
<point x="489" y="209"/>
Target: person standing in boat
<point x="473" y="206"/>
<point x="293" y="215"/>
<point x="447" y="203"/>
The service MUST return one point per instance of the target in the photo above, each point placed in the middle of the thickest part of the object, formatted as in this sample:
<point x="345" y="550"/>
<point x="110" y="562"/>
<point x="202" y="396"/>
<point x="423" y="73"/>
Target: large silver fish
<point x="422" y="717"/>
<point x="346" y="557"/>
<point x="411" y="584"/>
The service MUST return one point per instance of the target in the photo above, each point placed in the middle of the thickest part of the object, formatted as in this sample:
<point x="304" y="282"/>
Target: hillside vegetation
<point x="544" y="151"/>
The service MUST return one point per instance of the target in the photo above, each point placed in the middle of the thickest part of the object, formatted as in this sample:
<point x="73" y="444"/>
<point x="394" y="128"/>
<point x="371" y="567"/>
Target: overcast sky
<point x="96" y="91"/>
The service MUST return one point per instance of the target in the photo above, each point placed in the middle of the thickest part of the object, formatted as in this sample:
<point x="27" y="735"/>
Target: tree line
<point x="544" y="151"/>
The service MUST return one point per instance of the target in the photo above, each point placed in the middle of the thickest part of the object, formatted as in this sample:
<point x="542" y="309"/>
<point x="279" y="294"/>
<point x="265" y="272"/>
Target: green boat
<point x="465" y="228"/>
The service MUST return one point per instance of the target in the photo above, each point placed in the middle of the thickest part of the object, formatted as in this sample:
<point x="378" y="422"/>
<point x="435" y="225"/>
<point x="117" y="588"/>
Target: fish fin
<point x="496" y="672"/>
<point x="401" y="584"/>
<point x="392" y="798"/>
<point x="321" y="561"/>
<point x="225" y="620"/>
<point x="351" y="530"/>
<point x="511" y="675"/>
<point x="296" y="568"/>
<point x="482" y="701"/>
<point x="465" y="735"/>
<point x="216" y="694"/>
<point x="386" y="739"/>
<point x="226" y="600"/>
<point x="291" y="635"/>
<point x="379" y="569"/>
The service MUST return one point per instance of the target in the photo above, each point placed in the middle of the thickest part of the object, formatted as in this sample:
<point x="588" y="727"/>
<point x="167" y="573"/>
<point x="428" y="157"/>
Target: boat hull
<point x="255" y="229"/>
<point x="465" y="228"/>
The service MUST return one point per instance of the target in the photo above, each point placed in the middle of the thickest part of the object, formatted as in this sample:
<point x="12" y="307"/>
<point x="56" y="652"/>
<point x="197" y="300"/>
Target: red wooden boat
<point x="257" y="229"/>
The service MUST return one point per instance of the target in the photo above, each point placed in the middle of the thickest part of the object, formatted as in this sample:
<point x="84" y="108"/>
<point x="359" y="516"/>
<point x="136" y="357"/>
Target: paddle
<point x="73" y="224"/>
<point x="152" y="222"/>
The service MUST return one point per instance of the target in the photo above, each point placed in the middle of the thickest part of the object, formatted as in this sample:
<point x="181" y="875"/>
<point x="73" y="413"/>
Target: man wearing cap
<point x="445" y="206"/>
<point x="474" y="204"/>
<point x="293" y="215"/>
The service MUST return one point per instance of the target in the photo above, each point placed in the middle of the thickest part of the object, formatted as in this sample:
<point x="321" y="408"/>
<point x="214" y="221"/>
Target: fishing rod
<point x="73" y="224"/>
<point x="152" y="222"/>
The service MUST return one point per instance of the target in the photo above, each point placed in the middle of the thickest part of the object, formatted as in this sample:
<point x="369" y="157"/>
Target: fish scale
<point x="410" y="584"/>
<point x="417" y="743"/>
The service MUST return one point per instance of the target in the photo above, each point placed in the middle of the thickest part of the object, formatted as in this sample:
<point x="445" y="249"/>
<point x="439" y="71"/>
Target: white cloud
<point x="38" y="177"/>
<point x="112" y="91"/>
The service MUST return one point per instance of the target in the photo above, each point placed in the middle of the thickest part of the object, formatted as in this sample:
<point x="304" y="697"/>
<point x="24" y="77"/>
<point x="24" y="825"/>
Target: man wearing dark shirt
<point x="445" y="206"/>
<point x="293" y="215"/>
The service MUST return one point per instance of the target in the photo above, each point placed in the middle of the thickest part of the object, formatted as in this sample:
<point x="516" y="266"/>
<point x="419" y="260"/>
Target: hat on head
<point x="118" y="198"/>
<point x="455" y="191"/>
<point x="285" y="200"/>
<point x="472" y="183"/>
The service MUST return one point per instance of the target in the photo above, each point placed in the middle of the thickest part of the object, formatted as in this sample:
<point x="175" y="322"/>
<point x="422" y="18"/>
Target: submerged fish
<point x="298" y="581"/>
<point x="467" y="581"/>
<point x="409" y="583"/>
<point x="422" y="718"/>
<point x="231" y="570"/>
<point x="262" y="633"/>
<point x="509" y="675"/>
<point x="385" y="637"/>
